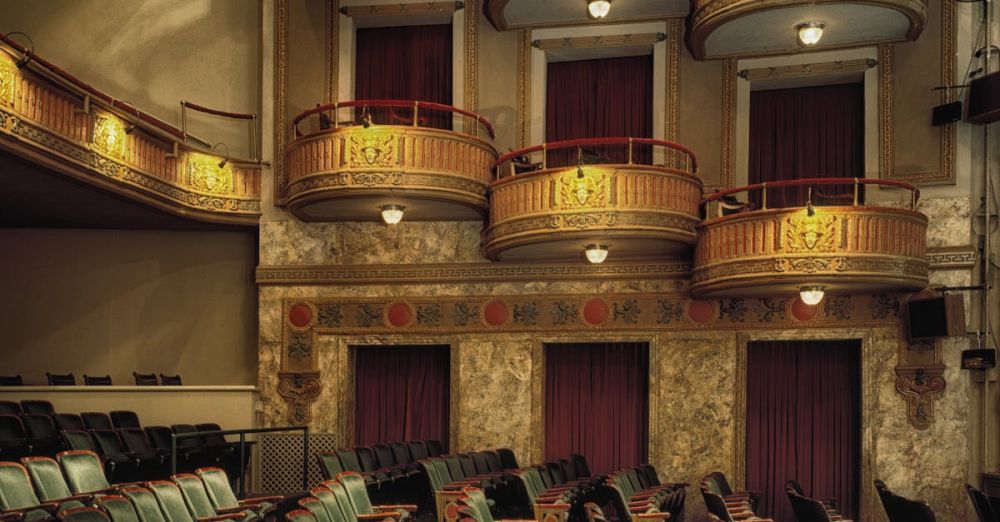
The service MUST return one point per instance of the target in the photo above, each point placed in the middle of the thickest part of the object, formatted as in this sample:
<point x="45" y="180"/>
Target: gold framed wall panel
<point x="332" y="50"/>
<point x="523" y="86"/>
<point x="730" y="76"/>
<point x="471" y="18"/>
<point x="281" y="127"/>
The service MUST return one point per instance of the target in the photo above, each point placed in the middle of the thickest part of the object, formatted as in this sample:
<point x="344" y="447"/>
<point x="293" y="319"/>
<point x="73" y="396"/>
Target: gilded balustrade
<point x="633" y="200"/>
<point x="366" y="153"/>
<point x="845" y="247"/>
<point x="58" y="121"/>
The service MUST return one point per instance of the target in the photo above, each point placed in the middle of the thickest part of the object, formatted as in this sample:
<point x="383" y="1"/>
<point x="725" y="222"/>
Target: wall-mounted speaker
<point x="983" y="105"/>
<point x="947" y="113"/>
<point x="937" y="316"/>
<point x="981" y="359"/>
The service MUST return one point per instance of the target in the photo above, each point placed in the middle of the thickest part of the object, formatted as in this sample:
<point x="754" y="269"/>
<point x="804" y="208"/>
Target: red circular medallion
<point x="495" y="313"/>
<point x="300" y="315"/>
<point x="399" y="314"/>
<point x="595" y="311"/>
<point x="803" y="311"/>
<point x="701" y="311"/>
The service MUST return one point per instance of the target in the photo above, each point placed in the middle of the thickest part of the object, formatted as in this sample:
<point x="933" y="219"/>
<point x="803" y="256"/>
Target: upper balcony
<point x="363" y="155"/>
<point x="635" y="197"/>
<point x="835" y="241"/>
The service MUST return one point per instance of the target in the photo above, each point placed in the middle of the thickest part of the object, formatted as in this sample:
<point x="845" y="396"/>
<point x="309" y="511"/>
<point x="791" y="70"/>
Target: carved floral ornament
<point x="109" y="135"/>
<point x="578" y="189"/>
<point x="207" y="175"/>
<point x="372" y="149"/>
<point x="7" y="76"/>
<point x="805" y="233"/>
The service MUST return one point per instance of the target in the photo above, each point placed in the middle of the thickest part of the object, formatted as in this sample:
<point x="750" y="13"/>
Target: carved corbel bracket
<point x="920" y="388"/>
<point x="300" y="390"/>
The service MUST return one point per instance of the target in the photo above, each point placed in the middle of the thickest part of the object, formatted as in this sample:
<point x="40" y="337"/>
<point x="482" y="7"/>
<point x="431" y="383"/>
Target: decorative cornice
<point x="591" y="42"/>
<point x="405" y="9"/>
<point x="807" y="69"/>
<point x="951" y="258"/>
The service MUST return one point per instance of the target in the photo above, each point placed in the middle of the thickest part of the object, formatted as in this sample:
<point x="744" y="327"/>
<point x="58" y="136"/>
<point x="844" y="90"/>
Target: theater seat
<point x="193" y="490"/>
<point x="508" y="458"/>
<point x="118" y="508"/>
<point x="176" y="509"/>
<point x="221" y="493"/>
<point x="354" y="484"/>
<point x="84" y="472"/>
<point x="92" y="380"/>
<point x="69" y="422"/>
<point x="48" y="480"/>
<point x="37" y="406"/>
<point x="83" y="514"/>
<point x="18" y="496"/>
<point x="13" y="438"/>
<point x="435" y="448"/>
<point x="170" y="380"/>
<point x="95" y="420"/>
<point x="58" y="379"/>
<point x="11" y="380"/>
<point x="329" y="464"/>
<point x="43" y="435"/>
<point x="124" y="419"/>
<point x="145" y="504"/>
<point x="10" y="408"/>
<point x="145" y="379"/>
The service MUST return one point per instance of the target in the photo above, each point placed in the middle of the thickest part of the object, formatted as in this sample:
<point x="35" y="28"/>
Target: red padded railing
<point x="691" y="159"/>
<point x="856" y="182"/>
<point x="415" y="105"/>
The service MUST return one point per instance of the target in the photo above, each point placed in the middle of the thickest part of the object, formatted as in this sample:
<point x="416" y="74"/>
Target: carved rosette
<point x="300" y="390"/>
<point x="920" y="388"/>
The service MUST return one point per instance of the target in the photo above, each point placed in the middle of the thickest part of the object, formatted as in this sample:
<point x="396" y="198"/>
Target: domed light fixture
<point x="810" y="33"/>
<point x="597" y="9"/>
<point x="811" y="295"/>
<point x="392" y="214"/>
<point x="596" y="253"/>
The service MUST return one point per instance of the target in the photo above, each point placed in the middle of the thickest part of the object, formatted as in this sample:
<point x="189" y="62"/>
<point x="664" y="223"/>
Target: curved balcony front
<point x="637" y="196"/>
<point x="835" y="241"/>
<point x="364" y="154"/>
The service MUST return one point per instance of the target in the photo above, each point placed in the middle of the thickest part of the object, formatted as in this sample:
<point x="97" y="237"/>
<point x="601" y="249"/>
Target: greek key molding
<point x="950" y="258"/>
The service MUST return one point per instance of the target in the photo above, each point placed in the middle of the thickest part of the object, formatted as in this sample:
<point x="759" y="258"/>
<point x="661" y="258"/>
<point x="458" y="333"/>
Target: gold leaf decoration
<point x="810" y="233"/>
<point x="590" y="190"/>
<point x="372" y="149"/>
<point x="207" y="176"/>
<point x="109" y="135"/>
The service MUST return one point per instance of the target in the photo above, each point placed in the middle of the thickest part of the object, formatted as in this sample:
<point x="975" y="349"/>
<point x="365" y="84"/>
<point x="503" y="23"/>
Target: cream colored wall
<point x="118" y="301"/>
<point x="155" y="54"/>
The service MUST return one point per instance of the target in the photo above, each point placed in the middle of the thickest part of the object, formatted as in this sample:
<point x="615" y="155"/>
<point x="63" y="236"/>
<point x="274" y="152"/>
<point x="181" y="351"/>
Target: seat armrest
<point x="376" y="517"/>
<point x="652" y="516"/>
<point x="257" y="500"/>
<point x="410" y="508"/>
<point x="86" y="499"/>
<point x="231" y="510"/>
<point x="232" y="516"/>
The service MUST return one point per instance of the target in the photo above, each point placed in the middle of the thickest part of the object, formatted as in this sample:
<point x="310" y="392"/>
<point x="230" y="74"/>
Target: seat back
<point x="195" y="442"/>
<point x="329" y="464"/>
<point x="39" y="426"/>
<point x="507" y="458"/>
<point x="984" y="510"/>
<point x="366" y="456"/>
<point x="383" y="453"/>
<point x="118" y="508"/>
<point x="349" y="460"/>
<point x="435" y="448"/>
<point x="418" y="449"/>
<point x="477" y="501"/>
<point x="11" y="380"/>
<point x="316" y="507"/>
<point x="433" y="477"/>
<point x="79" y="440"/>
<point x="83" y="514"/>
<point x="145" y="379"/>
<point x="47" y="477"/>
<point x="722" y="482"/>
<point x="401" y="453"/>
<point x="95" y="420"/>
<point x="716" y="506"/>
<point x="441" y="467"/>
<point x="493" y="461"/>
<point x="159" y="436"/>
<point x="83" y="470"/>
<point x="343" y="499"/>
<point x="15" y="487"/>
<point x="12" y="430"/>
<point x="135" y="440"/>
<point x="299" y="515"/>
<point x="211" y="438"/>
<point x="468" y="466"/>
<point x="194" y="494"/>
<point x="108" y="442"/>
<point x="124" y="419"/>
<point x="329" y="500"/>
<point x="37" y="406"/>
<point x="145" y="504"/>
<point x="354" y="485"/>
<point x="170" y="380"/>
<point x="455" y="467"/>
<point x="218" y="488"/>
<point x="480" y="462"/>
<point x="807" y="509"/>
<point x="69" y="421"/>
<point x="10" y="408"/>
<point x="60" y="379"/>
<point x="556" y="471"/>
<point x="171" y="501"/>
<point x="97" y="380"/>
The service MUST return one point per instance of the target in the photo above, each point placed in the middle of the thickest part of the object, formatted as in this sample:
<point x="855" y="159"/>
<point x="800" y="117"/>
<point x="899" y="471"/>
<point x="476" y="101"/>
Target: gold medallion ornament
<point x="372" y="149"/>
<point x="109" y="135"/>
<point x="810" y="233"/>
<point x="207" y="175"/>
<point x="589" y="190"/>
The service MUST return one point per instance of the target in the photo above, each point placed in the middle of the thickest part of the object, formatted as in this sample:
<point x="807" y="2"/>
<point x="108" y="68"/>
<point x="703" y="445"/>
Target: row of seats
<point x="639" y="495"/>
<point x="130" y="452"/>
<point x="389" y="470"/>
<point x="808" y="509"/>
<point x="345" y="499"/>
<point x="901" y="509"/>
<point x="727" y="505"/>
<point x="68" y="379"/>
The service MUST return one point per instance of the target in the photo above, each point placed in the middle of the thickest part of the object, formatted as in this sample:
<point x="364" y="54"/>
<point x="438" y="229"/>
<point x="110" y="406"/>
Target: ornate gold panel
<point x="7" y="74"/>
<point x="109" y="135"/>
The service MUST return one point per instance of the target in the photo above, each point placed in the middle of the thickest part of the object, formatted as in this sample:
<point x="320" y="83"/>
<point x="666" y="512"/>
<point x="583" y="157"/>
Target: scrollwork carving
<point x="300" y="390"/>
<point x="920" y="388"/>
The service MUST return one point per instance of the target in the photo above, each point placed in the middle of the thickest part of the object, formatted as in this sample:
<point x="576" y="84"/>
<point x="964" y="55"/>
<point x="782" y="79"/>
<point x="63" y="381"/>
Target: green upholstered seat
<point x="118" y="508"/>
<point x="354" y="484"/>
<point x="476" y="500"/>
<point x="47" y="477"/>
<point x="299" y="515"/>
<point x="197" y="499"/>
<point x="18" y="497"/>
<point x="83" y="470"/>
<point x="329" y="465"/>
<point x="171" y="501"/>
<point x="347" y="507"/>
<point x="316" y="507"/>
<point x="223" y="499"/>
<point x="329" y="500"/>
<point x="146" y="506"/>
<point x="83" y="514"/>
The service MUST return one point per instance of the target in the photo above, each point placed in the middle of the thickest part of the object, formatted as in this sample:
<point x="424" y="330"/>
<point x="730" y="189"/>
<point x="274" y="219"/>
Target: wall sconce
<point x="135" y="124"/>
<point x="392" y="214"/>
<point x="596" y="253"/>
<point x="597" y="9"/>
<point x="810" y="33"/>
<point x="226" y="158"/>
<point x="24" y="60"/>
<point x="811" y="294"/>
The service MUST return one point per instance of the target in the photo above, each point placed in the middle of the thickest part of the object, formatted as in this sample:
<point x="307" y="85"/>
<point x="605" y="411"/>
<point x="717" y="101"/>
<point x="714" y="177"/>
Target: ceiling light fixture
<point x="597" y="9"/>
<point x="596" y="253"/>
<point x="810" y="32"/>
<point x="392" y="214"/>
<point x="811" y="295"/>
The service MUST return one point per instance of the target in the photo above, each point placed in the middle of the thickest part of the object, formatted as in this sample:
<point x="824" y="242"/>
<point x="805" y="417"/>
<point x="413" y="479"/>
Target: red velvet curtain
<point x="405" y="63"/>
<point x="803" y="422"/>
<point x="807" y="132"/>
<point x="610" y="97"/>
<point x="597" y="403"/>
<point x="401" y="393"/>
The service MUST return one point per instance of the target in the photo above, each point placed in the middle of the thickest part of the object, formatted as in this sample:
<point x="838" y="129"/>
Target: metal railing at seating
<point x="174" y="437"/>
<point x="414" y="107"/>
<point x="690" y="160"/>
<point x="810" y="182"/>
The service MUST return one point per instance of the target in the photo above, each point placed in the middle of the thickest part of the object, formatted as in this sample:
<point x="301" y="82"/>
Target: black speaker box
<point x="979" y="359"/>
<point x="947" y="113"/>
<point x="983" y="104"/>
<point x="938" y="316"/>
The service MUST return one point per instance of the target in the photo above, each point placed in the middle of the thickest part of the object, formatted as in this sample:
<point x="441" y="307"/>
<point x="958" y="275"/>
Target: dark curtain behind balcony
<point x="807" y="132"/>
<point x="405" y="63"/>
<point x="803" y="423"/>
<point x="610" y="97"/>
<point x="597" y="403"/>
<point x="401" y="393"/>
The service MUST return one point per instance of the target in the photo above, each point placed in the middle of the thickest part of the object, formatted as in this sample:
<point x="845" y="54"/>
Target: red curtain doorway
<point x="803" y="422"/>
<point x="401" y="393"/>
<point x="597" y="403"/>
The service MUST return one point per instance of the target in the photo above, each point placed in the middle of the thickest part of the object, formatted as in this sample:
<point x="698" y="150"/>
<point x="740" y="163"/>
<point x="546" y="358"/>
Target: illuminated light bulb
<point x="598" y="8"/>
<point x="810" y="33"/>
<point x="392" y="214"/>
<point x="596" y="253"/>
<point x="811" y="295"/>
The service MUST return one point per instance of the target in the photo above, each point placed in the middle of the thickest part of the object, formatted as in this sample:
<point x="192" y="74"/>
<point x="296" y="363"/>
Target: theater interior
<point x="477" y="260"/>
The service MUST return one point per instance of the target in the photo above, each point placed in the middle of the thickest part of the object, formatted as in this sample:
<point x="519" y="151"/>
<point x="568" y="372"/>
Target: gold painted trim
<point x="281" y="130"/>
<point x="591" y="23"/>
<point x="404" y="9"/>
<point x="523" y="87"/>
<point x="332" y="50"/>
<point x="729" y="108"/>
<point x="807" y="69"/>
<point x="886" y="160"/>
<point x="594" y="42"/>
<point x="471" y="18"/>
<point x="675" y="31"/>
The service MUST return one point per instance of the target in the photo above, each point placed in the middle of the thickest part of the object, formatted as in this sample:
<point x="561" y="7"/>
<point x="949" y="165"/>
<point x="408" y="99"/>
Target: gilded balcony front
<point x="844" y="248"/>
<point x="637" y="210"/>
<point x="347" y="171"/>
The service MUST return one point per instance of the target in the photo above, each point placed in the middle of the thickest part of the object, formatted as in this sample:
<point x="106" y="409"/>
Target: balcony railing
<point x="367" y="153"/>
<point x="833" y="239"/>
<point x="639" y="196"/>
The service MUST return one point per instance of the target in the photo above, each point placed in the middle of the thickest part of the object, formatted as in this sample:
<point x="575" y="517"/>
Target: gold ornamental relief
<point x="207" y="175"/>
<point x="109" y="135"/>
<point x="804" y="233"/>
<point x="372" y="149"/>
<point x="7" y="75"/>
<point x="587" y="191"/>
